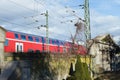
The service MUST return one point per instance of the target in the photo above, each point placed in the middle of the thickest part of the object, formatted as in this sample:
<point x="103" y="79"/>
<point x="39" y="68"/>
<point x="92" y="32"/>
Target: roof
<point x="31" y="34"/>
<point x="3" y="28"/>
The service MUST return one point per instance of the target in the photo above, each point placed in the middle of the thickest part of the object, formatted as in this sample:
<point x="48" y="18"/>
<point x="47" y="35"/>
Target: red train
<point x="23" y="42"/>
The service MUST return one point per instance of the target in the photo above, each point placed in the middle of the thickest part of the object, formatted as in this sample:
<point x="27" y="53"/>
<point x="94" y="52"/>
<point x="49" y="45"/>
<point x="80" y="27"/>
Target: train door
<point x="19" y="47"/>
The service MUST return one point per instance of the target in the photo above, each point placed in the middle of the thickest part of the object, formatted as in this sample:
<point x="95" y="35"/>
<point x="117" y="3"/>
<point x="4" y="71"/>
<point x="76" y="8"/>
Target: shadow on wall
<point x="39" y="65"/>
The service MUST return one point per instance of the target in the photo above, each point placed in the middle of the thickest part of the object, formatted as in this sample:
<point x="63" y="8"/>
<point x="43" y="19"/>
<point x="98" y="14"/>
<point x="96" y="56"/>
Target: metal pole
<point x="87" y="19"/>
<point x="47" y="33"/>
<point x="87" y="28"/>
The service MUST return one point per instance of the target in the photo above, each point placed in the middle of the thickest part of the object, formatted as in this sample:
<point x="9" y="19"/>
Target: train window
<point x="53" y="42"/>
<point x="43" y="40"/>
<point x="23" y="37"/>
<point x="6" y="42"/>
<point x="40" y="39"/>
<point x="16" y="36"/>
<point x="57" y="42"/>
<point x="62" y="43"/>
<point x="30" y="51"/>
<point x="37" y="51"/>
<point x="50" y="41"/>
<point x="30" y="38"/>
<point x="37" y="39"/>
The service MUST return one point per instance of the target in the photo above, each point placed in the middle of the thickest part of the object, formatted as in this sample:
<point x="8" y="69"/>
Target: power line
<point x="34" y="27"/>
<point x="12" y="23"/>
<point x="54" y="33"/>
<point x="17" y="4"/>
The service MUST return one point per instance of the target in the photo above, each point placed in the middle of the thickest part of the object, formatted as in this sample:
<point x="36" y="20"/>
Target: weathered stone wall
<point x="2" y="40"/>
<point x="54" y="67"/>
<point x="101" y="58"/>
<point x="61" y="66"/>
<point x="101" y="48"/>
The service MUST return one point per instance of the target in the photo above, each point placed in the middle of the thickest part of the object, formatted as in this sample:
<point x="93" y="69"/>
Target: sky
<point x="25" y="16"/>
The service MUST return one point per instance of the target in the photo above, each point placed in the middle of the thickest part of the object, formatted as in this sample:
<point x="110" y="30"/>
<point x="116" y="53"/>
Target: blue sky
<point x="105" y="17"/>
<point x="24" y="16"/>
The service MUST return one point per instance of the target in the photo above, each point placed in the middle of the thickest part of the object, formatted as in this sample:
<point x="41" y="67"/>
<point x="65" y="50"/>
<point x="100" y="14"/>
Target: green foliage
<point x="40" y="67"/>
<point x="86" y="72"/>
<point x="81" y="71"/>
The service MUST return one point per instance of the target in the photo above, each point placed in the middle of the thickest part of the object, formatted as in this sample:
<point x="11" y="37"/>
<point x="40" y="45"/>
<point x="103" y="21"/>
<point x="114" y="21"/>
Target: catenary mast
<point x="87" y="20"/>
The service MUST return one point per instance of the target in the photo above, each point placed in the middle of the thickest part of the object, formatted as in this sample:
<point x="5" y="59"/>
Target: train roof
<point x="33" y="35"/>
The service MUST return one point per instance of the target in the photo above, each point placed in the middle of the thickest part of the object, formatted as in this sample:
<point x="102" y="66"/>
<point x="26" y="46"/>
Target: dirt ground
<point x="109" y="76"/>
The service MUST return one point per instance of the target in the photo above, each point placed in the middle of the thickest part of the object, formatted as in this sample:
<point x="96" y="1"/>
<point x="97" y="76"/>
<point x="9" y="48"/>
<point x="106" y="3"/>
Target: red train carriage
<point x="22" y="42"/>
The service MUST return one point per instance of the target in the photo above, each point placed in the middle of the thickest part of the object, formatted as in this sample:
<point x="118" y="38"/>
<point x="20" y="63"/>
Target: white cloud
<point x="102" y="24"/>
<point x="23" y="14"/>
<point x="116" y="38"/>
<point x="17" y="14"/>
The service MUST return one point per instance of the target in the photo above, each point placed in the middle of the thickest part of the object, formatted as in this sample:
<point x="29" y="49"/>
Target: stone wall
<point x="54" y="67"/>
<point x="100" y="48"/>
<point x="2" y="40"/>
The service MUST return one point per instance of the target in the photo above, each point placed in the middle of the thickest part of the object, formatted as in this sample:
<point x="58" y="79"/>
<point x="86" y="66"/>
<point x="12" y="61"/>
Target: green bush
<point x="81" y="71"/>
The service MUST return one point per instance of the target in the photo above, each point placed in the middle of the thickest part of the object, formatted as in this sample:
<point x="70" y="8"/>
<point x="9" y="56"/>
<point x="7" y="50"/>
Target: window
<point x="6" y="42"/>
<point x="57" y="42"/>
<point x="30" y="51"/>
<point x="23" y="37"/>
<point x="30" y="38"/>
<point x="19" y="47"/>
<point x="43" y="40"/>
<point x="16" y="36"/>
<point x="53" y="42"/>
<point x="50" y="41"/>
<point x="62" y="43"/>
<point x="40" y="39"/>
<point x="37" y="39"/>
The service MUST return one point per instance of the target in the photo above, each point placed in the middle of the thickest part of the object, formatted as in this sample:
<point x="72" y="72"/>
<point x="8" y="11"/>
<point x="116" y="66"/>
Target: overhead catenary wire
<point x="35" y="11"/>
<point x="30" y="27"/>
<point x="20" y="25"/>
<point x="17" y="4"/>
<point x="33" y="29"/>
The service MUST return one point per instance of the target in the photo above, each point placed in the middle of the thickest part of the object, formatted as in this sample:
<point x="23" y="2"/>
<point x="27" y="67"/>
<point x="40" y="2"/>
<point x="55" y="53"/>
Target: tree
<point x="81" y="71"/>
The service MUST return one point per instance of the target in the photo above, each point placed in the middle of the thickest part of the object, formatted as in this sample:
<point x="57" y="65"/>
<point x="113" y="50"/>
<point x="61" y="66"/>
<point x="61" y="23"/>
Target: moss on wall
<point x="52" y="67"/>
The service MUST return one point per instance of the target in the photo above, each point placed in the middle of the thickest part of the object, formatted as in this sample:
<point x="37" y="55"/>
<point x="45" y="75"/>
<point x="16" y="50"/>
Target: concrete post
<point x="2" y="40"/>
<point x="1" y="54"/>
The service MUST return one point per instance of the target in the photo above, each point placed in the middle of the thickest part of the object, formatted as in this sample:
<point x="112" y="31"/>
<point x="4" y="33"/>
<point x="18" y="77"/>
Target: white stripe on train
<point x="30" y="42"/>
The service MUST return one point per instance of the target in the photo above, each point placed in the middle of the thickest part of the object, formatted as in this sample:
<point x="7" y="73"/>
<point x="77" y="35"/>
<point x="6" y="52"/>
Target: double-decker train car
<point x="23" y="42"/>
